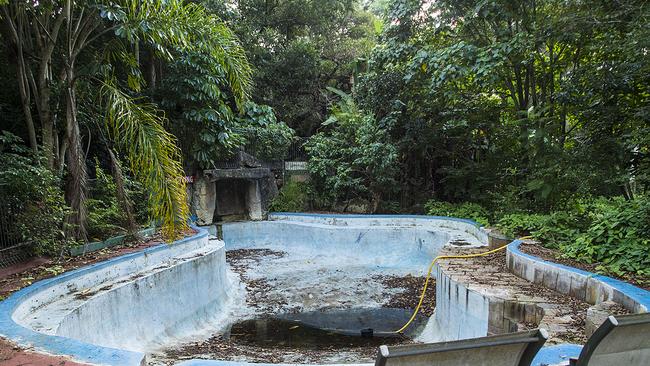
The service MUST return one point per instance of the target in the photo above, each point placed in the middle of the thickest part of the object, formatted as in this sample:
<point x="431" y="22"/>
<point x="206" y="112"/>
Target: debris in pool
<point x="409" y="297"/>
<point x="333" y="329"/>
<point x="273" y="332"/>
<point x="459" y="243"/>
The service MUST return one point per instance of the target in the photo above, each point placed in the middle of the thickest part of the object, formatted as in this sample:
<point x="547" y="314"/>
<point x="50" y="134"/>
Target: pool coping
<point x="597" y="287"/>
<point x="77" y="350"/>
<point x="383" y="216"/>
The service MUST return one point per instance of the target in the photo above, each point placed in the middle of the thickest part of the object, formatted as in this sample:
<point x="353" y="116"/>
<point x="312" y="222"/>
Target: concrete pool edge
<point x="587" y="286"/>
<point x="469" y="226"/>
<point x="382" y="216"/>
<point x="77" y="350"/>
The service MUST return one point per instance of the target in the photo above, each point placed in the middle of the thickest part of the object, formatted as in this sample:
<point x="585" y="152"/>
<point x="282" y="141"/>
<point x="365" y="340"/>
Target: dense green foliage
<point x="32" y="195"/>
<point x="293" y="197"/>
<point x="524" y="103"/>
<point x="298" y="48"/>
<point x="87" y="71"/>
<point x="104" y="214"/>
<point x="264" y="136"/>
<point x="106" y="217"/>
<point x="611" y="232"/>
<point x="465" y="210"/>
<point x="618" y="237"/>
<point x="353" y="159"/>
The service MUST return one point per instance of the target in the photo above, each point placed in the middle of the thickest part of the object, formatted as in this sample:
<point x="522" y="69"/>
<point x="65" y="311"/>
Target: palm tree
<point x="111" y="33"/>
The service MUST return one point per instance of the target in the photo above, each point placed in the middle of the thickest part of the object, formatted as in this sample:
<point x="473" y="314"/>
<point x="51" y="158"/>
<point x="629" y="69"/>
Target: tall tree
<point x="107" y="35"/>
<point x="299" y="48"/>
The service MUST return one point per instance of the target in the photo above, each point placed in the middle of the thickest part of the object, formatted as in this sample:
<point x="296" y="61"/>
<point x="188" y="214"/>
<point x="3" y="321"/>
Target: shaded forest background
<point x="529" y="115"/>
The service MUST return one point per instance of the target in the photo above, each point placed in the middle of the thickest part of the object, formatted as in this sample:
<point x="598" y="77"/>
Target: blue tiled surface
<point x="558" y="354"/>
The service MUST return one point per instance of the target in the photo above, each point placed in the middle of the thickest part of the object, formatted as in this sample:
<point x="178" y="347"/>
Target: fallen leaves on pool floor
<point x="219" y="348"/>
<point x="240" y="261"/>
<point x="408" y="299"/>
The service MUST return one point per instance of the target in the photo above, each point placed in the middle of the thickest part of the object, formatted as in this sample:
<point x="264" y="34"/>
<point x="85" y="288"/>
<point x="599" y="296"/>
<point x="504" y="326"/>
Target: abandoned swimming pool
<point x="264" y="277"/>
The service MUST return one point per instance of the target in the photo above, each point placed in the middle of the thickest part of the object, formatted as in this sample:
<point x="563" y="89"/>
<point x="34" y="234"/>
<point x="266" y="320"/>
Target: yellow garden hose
<point x="426" y="282"/>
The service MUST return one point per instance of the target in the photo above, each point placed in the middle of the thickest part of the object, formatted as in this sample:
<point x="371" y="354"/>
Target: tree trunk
<point x="47" y="124"/>
<point x="25" y="99"/>
<point x="13" y="20"/>
<point x="151" y="70"/>
<point x="120" y="192"/>
<point x="75" y="192"/>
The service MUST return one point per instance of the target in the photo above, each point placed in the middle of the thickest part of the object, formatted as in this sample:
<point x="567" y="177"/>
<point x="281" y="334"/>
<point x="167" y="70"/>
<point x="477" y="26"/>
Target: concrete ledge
<point x="387" y="246"/>
<point x="108" y="243"/>
<point x="589" y="287"/>
<point x="466" y="225"/>
<point x="78" y="349"/>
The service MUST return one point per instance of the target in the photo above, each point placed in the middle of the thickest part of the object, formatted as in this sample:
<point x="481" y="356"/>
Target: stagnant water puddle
<point x="332" y="329"/>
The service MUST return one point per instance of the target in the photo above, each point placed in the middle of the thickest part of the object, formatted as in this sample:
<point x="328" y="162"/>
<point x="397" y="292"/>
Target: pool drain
<point x="367" y="333"/>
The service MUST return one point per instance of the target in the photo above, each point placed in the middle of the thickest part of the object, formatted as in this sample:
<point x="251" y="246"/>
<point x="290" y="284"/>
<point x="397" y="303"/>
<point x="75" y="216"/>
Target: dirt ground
<point x="12" y="355"/>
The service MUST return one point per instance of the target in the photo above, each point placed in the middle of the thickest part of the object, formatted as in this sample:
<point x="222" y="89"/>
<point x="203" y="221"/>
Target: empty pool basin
<point x="118" y="311"/>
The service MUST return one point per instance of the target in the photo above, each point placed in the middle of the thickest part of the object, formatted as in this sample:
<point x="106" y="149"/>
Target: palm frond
<point x="174" y="24"/>
<point x="153" y="155"/>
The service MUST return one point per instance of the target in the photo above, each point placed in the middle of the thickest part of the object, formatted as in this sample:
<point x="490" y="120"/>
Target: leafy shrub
<point x="293" y="197"/>
<point x="618" y="238"/>
<point x="105" y="217"/>
<point x="31" y="194"/>
<point x="553" y="230"/>
<point x="521" y="224"/>
<point x="353" y="159"/>
<point x="465" y="210"/>
<point x="267" y="138"/>
<point x="558" y="229"/>
<point x="614" y="233"/>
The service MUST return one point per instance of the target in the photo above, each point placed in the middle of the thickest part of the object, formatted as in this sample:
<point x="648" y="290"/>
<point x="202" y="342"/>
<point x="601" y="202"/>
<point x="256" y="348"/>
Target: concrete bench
<point x="513" y="349"/>
<point x="620" y="340"/>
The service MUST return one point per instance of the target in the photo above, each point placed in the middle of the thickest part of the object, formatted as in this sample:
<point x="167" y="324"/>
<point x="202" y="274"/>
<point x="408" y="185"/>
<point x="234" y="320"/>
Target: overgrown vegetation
<point x="76" y="63"/>
<point x="464" y="210"/>
<point x="514" y="113"/>
<point x="32" y="195"/>
<point x="610" y="232"/>
<point x="354" y="159"/>
<point x="529" y="115"/>
<point x="293" y="197"/>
